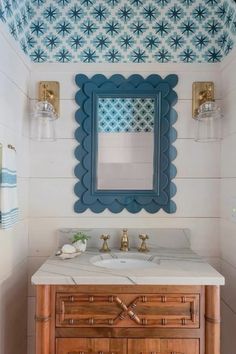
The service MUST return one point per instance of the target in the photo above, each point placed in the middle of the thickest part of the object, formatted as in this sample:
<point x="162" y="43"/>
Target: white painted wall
<point x="14" y="102"/>
<point x="228" y="193"/>
<point x="52" y="179"/>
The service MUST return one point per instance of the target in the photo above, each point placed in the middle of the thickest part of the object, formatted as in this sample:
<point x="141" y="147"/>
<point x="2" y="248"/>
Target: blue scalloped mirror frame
<point x="160" y="197"/>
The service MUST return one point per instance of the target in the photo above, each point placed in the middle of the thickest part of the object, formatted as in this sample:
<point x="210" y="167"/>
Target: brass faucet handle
<point x="105" y="247"/>
<point x="105" y="237"/>
<point x="143" y="237"/>
<point x="143" y="247"/>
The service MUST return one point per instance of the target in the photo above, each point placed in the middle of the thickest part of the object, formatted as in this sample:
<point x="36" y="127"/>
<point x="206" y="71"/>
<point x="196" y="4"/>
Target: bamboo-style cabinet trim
<point x="127" y="310"/>
<point x="129" y="319"/>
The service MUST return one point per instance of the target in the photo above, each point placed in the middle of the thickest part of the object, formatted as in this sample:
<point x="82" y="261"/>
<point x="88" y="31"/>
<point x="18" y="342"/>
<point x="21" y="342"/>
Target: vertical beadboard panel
<point x="228" y="201"/>
<point x="14" y="103"/>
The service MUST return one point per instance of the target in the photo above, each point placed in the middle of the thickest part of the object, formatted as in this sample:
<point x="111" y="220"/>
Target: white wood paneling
<point x="197" y="160"/>
<point x="228" y="164"/>
<point x="52" y="159"/>
<point x="195" y="197"/>
<point x="228" y="74"/>
<point x="15" y="66"/>
<point x="229" y="109"/>
<point x="194" y="160"/>
<point x="228" y="292"/>
<point x="228" y="194"/>
<point x="14" y="122"/>
<point x="228" y="241"/>
<point x="66" y="75"/>
<point x="228" y="338"/>
<point x="14" y="106"/>
<point x="228" y="200"/>
<point x="13" y="248"/>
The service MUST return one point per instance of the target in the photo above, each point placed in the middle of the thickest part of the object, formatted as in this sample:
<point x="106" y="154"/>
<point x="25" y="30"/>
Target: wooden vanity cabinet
<point x="127" y="319"/>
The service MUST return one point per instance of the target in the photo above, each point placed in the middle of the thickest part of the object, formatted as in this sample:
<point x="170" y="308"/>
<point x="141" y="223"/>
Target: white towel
<point x="8" y="188"/>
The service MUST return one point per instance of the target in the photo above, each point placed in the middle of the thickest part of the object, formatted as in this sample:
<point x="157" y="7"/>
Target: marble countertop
<point x="170" y="267"/>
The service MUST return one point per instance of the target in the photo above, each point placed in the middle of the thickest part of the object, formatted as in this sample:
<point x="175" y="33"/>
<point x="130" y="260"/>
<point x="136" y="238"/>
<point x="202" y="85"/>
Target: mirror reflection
<point x="125" y="157"/>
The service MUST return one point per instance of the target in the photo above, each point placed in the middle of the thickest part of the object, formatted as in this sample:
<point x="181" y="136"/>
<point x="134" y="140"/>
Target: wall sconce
<point x="46" y="111"/>
<point x="206" y="112"/>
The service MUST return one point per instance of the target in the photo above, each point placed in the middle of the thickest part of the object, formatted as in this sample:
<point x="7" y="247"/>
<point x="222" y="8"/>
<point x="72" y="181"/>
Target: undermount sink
<point x="124" y="261"/>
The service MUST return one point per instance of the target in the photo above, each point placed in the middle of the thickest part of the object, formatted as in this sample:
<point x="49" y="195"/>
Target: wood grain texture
<point x="131" y="289"/>
<point x="91" y="346"/>
<point x="212" y="319"/>
<point x="75" y="319"/>
<point x="179" y="346"/>
<point x="43" y="318"/>
<point x="100" y="332"/>
<point x="144" y="346"/>
<point x="127" y="310"/>
<point x="163" y="346"/>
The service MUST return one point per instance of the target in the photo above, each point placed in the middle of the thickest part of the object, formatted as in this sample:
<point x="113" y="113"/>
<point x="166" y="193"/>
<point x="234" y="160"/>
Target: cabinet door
<point x="144" y="346"/>
<point x="180" y="346"/>
<point x="90" y="346"/>
<point x="163" y="346"/>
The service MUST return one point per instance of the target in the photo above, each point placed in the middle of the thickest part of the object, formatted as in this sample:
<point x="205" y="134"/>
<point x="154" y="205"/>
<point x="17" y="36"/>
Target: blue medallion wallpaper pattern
<point x="138" y="31"/>
<point x="129" y="115"/>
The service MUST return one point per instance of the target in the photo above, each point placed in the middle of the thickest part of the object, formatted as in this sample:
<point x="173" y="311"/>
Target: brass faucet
<point x="124" y="244"/>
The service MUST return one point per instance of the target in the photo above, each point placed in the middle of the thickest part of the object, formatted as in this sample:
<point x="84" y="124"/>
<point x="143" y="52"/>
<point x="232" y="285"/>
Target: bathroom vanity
<point x="163" y="302"/>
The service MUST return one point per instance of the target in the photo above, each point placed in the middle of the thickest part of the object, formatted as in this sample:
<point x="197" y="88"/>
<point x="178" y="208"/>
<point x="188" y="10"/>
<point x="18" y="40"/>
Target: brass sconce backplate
<point x="50" y="91"/>
<point x="202" y="91"/>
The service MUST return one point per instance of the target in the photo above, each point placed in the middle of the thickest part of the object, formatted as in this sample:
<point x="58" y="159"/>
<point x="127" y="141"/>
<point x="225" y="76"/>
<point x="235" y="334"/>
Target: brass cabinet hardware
<point x="164" y="321"/>
<point x="71" y="298"/>
<point x="91" y="321"/>
<point x="163" y="299"/>
<point x="144" y="298"/>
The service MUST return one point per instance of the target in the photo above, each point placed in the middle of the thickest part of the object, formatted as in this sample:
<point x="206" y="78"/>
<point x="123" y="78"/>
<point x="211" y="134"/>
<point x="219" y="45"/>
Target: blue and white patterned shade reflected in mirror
<point x="125" y="143"/>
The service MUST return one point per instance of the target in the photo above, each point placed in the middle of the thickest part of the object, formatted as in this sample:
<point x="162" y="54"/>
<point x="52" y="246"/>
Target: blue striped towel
<point x="8" y="191"/>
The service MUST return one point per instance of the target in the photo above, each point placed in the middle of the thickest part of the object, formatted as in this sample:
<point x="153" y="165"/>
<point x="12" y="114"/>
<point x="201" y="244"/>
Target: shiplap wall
<point x="228" y="200"/>
<point x="14" y="102"/>
<point x="52" y="179"/>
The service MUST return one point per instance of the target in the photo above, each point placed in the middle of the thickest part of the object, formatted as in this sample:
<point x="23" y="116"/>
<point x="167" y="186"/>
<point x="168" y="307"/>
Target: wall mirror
<point x="125" y="149"/>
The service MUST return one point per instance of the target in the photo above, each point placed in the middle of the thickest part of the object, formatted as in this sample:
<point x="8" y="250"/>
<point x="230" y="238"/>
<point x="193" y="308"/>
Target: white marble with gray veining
<point x="171" y="266"/>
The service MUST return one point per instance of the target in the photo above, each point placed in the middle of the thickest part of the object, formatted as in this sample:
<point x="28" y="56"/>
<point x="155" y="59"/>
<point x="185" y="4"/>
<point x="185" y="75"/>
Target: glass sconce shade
<point x="42" y="126"/>
<point x="208" y="122"/>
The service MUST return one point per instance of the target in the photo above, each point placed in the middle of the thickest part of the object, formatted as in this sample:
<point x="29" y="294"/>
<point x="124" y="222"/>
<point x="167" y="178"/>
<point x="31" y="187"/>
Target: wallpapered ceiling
<point x="122" y="31"/>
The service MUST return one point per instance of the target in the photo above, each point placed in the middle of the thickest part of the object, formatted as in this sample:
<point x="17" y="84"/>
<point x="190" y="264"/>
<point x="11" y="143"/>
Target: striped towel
<point x="8" y="191"/>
